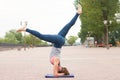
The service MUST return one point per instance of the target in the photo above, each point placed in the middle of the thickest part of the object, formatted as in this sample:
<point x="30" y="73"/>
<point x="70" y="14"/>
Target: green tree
<point x="32" y="40"/>
<point x="13" y="37"/>
<point x="91" y="19"/>
<point x="1" y="40"/>
<point x="71" y="40"/>
<point x="18" y="36"/>
<point x="94" y="13"/>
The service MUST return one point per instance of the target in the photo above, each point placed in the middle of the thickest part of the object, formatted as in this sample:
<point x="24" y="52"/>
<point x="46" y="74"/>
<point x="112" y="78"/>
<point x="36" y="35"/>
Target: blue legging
<point x="59" y="39"/>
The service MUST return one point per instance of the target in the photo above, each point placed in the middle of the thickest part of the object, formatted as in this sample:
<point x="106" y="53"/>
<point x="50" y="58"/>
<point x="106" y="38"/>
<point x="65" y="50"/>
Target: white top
<point x="55" y="52"/>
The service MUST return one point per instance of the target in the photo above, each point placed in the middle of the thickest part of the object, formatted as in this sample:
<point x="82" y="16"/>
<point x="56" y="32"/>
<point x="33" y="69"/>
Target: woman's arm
<point x="56" y="67"/>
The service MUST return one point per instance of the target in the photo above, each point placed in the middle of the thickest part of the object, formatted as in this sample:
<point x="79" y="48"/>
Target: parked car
<point x="103" y="45"/>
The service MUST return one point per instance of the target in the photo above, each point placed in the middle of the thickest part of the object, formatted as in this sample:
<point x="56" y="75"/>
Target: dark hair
<point x="64" y="70"/>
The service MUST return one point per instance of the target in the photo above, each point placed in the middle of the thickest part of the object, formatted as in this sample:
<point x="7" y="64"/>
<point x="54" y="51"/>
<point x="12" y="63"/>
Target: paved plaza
<point x="84" y="63"/>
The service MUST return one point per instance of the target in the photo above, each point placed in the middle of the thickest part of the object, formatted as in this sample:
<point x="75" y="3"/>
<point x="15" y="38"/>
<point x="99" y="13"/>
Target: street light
<point x="24" y="24"/>
<point x="117" y="17"/>
<point x="106" y="22"/>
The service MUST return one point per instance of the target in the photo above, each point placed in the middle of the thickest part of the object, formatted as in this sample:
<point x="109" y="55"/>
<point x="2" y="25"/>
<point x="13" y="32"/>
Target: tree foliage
<point x="30" y="39"/>
<point x="94" y="13"/>
<point x="13" y="37"/>
<point x="71" y="40"/>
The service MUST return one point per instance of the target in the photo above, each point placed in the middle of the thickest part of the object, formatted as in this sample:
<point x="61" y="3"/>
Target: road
<point x="84" y="63"/>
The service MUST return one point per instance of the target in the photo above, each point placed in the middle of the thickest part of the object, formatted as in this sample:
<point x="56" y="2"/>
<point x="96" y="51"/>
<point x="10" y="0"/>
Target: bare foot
<point x="21" y="29"/>
<point x="79" y="11"/>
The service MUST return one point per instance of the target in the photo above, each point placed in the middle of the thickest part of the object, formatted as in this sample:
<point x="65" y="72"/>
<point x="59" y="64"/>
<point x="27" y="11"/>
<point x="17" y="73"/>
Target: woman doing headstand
<point x="58" y="41"/>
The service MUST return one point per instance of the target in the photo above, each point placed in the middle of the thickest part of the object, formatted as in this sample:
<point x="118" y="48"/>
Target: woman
<point x="58" y="41"/>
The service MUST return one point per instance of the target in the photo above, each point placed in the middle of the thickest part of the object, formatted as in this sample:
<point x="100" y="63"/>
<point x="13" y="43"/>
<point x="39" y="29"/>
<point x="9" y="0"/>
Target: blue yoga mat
<point x="64" y="76"/>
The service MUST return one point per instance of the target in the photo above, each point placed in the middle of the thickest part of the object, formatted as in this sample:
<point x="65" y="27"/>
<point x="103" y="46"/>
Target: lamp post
<point x="117" y="17"/>
<point x="106" y="22"/>
<point x="24" y="24"/>
<point x="88" y="39"/>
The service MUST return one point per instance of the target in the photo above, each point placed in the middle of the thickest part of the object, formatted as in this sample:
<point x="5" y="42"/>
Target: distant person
<point x="95" y="43"/>
<point x="58" y="41"/>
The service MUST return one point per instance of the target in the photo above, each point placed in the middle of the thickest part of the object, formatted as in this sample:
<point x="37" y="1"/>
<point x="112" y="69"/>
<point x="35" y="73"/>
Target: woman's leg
<point x="57" y="40"/>
<point x="67" y="27"/>
<point x="48" y="38"/>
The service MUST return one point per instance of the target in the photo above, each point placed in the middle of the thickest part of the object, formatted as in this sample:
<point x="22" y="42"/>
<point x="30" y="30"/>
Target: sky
<point x="45" y="16"/>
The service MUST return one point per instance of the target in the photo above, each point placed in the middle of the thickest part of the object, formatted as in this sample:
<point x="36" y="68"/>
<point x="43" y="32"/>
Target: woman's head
<point x="64" y="70"/>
